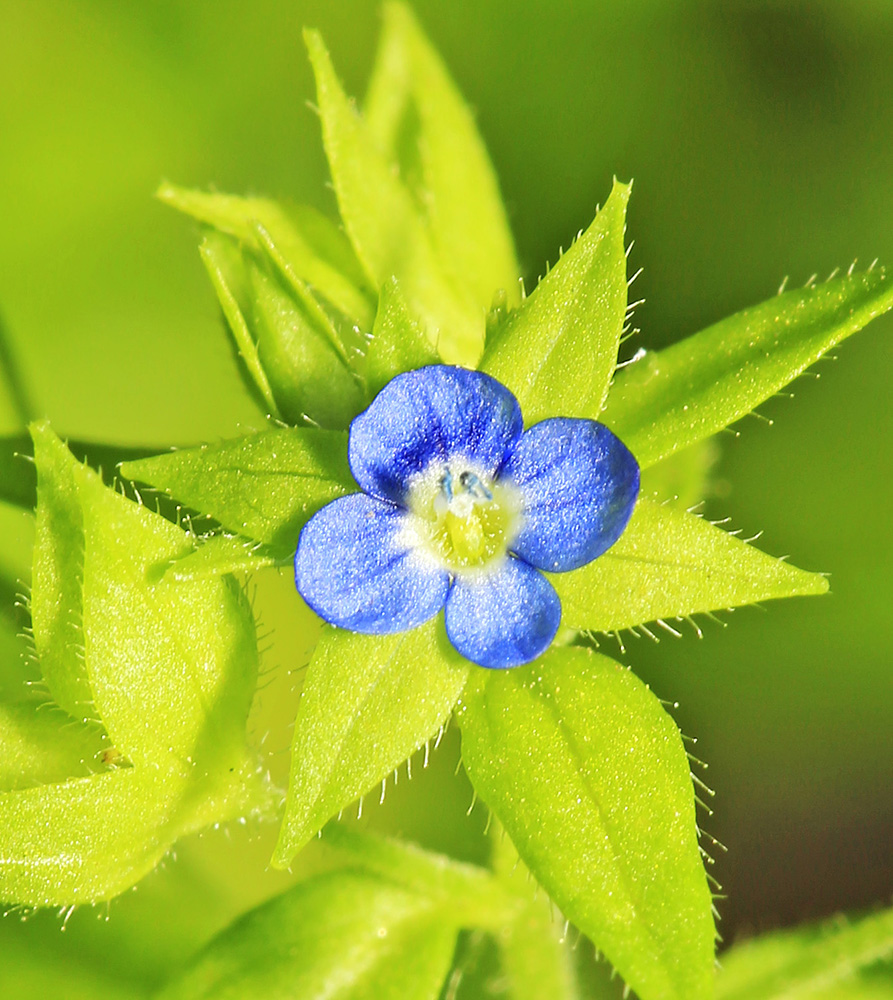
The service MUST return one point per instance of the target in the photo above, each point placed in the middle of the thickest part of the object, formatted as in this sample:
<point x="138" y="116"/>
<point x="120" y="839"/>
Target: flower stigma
<point x="461" y="518"/>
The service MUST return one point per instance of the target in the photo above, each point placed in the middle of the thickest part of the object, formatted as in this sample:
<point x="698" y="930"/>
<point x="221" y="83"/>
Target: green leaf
<point x="39" y="745"/>
<point x="669" y="564"/>
<point x="217" y="555"/>
<point x="314" y="246"/>
<point x="284" y="337"/>
<point x="299" y="351"/>
<point x="57" y="575"/>
<point x="558" y="350"/>
<point x="588" y="775"/>
<point x="225" y="268"/>
<point x="806" y="962"/>
<point x="89" y="839"/>
<point x="342" y="935"/>
<point x="343" y="334"/>
<point x="419" y="119"/>
<point x="264" y="486"/>
<point x="168" y="669"/>
<point x="398" y="343"/>
<point x="534" y="952"/>
<point x="388" y="232"/>
<point x="91" y="596"/>
<point x="689" y="391"/>
<point x="18" y="479"/>
<point x="474" y="896"/>
<point x="135" y="629"/>
<point x="535" y="958"/>
<point x="367" y="704"/>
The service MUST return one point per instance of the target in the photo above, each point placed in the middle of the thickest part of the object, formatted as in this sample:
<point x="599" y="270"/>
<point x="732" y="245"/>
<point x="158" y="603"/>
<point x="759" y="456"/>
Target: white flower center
<point x="460" y="517"/>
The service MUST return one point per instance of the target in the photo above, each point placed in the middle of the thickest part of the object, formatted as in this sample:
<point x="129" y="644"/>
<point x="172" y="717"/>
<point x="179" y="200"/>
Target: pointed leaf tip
<point x="558" y="350"/>
<point x="687" y="392"/>
<point x="418" y="117"/>
<point x="388" y="229"/>
<point x="669" y="564"/>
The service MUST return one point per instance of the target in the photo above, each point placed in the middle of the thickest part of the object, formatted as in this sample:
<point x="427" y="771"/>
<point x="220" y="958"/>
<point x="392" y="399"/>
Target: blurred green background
<point x="760" y="137"/>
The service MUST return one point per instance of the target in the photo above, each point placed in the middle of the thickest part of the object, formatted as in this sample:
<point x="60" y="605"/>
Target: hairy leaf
<point x="806" y="962"/>
<point x="421" y="123"/>
<point x="669" y="564"/>
<point x="342" y="935"/>
<point x="18" y="477"/>
<point x="314" y="246"/>
<point x="475" y="897"/>
<point x="558" y="350"/>
<point x="689" y="391"/>
<point x="368" y="702"/>
<point x="398" y="343"/>
<point x="167" y="668"/>
<point x="386" y="228"/>
<point x="225" y="266"/>
<point x="91" y="838"/>
<point x="40" y="745"/>
<point x="300" y="351"/>
<point x="343" y="334"/>
<point x="58" y="548"/>
<point x="284" y="337"/>
<point x="264" y="486"/>
<point x="157" y="662"/>
<point x="57" y="575"/>
<point x="588" y="774"/>
<point x="218" y="555"/>
<point x="172" y="666"/>
<point x="534" y="952"/>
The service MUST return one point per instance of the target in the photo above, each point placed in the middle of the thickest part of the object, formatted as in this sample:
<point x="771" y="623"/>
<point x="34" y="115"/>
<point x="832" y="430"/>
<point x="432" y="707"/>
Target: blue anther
<point x="473" y="485"/>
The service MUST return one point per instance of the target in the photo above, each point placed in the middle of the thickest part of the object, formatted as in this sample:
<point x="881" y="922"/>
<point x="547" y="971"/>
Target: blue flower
<point x="461" y="508"/>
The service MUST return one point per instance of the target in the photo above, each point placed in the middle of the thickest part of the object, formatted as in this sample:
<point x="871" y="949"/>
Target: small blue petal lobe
<point x="503" y="618"/>
<point x="431" y="414"/>
<point x="353" y="568"/>
<point x="578" y="483"/>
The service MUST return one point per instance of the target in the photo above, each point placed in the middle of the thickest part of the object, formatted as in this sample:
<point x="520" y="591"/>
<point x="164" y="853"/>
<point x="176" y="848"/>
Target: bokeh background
<point x="760" y="138"/>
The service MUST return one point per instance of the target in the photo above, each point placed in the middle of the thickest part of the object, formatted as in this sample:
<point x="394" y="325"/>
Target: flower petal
<point x="502" y="618"/>
<point x="431" y="414"/>
<point x="578" y="483"/>
<point x="355" y="569"/>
